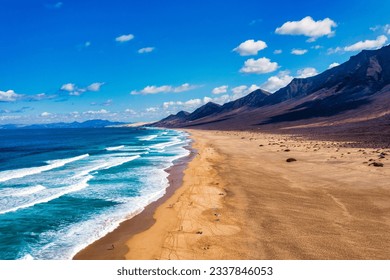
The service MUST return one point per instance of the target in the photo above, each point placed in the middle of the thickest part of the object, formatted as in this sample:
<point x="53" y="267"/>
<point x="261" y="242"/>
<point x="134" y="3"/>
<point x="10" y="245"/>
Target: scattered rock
<point x="261" y="145"/>
<point x="199" y="232"/>
<point x="290" y="160"/>
<point x="287" y="150"/>
<point x="376" y="164"/>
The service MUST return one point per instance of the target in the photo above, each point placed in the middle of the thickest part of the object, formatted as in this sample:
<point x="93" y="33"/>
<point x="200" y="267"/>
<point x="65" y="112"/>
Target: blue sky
<point x="136" y="61"/>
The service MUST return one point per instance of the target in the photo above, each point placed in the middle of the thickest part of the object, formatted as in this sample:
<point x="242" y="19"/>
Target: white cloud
<point x="387" y="29"/>
<point x="94" y="86"/>
<point x="101" y="111"/>
<point x="317" y="47"/>
<point x="46" y="114"/>
<point x="283" y="78"/>
<point x="308" y="27"/>
<point x="278" y="51"/>
<point x="193" y="102"/>
<point x="219" y="90"/>
<point x="76" y="91"/>
<point x="250" y="47"/>
<point x="242" y="90"/>
<point x="9" y="96"/>
<point x="124" y="38"/>
<point x="165" y="88"/>
<point x="183" y="87"/>
<point x="146" y="50"/>
<point x="334" y="64"/>
<point x="68" y="87"/>
<point x="276" y="82"/>
<point x="259" y="66"/>
<point x="87" y="44"/>
<point x="306" y="72"/>
<point x="151" y="109"/>
<point x="298" y="51"/>
<point x="130" y="111"/>
<point x="367" y="44"/>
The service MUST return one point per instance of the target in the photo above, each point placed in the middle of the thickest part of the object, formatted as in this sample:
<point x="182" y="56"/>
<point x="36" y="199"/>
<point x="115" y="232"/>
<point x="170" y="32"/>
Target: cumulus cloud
<point x="98" y="112"/>
<point x="250" y="47"/>
<point x="46" y="114"/>
<point x="152" y="109"/>
<point x="72" y="89"/>
<point x="9" y="96"/>
<point x="124" y="38"/>
<point x="276" y="82"/>
<point x="387" y="29"/>
<point x="367" y="44"/>
<point x="130" y="111"/>
<point x="219" y="90"/>
<point x="278" y="51"/>
<point x="334" y="64"/>
<point x="283" y="78"/>
<point x="307" y="72"/>
<point x="146" y="50"/>
<point x="68" y="87"/>
<point x="317" y="47"/>
<point x="94" y="86"/>
<point x="298" y="51"/>
<point x="165" y="88"/>
<point x="308" y="27"/>
<point x="259" y="66"/>
<point x="240" y="91"/>
<point x="183" y="87"/>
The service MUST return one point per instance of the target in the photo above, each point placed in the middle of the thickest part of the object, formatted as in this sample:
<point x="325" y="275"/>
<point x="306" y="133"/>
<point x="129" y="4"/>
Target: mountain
<point x="182" y="118"/>
<point x="356" y="90"/>
<point x="172" y="120"/>
<point x="86" y="124"/>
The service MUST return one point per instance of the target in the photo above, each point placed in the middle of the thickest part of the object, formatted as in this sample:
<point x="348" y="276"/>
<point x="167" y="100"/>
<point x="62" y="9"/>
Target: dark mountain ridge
<point x="357" y="88"/>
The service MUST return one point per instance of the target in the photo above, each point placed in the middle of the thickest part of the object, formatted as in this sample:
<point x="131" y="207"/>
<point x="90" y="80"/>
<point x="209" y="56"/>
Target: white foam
<point x="23" y="172"/>
<point x="106" y="164"/>
<point x="164" y="145"/>
<point x="51" y="194"/>
<point x="27" y="257"/>
<point x="21" y="191"/>
<point x="147" y="138"/>
<point x="115" y="148"/>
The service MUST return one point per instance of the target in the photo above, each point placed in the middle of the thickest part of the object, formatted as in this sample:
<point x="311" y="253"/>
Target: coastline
<point x="112" y="246"/>
<point x="241" y="199"/>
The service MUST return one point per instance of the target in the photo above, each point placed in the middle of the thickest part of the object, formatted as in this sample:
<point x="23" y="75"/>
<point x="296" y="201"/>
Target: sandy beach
<point x="241" y="199"/>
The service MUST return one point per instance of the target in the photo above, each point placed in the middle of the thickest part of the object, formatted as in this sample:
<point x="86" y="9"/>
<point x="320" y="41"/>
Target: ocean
<point x="62" y="189"/>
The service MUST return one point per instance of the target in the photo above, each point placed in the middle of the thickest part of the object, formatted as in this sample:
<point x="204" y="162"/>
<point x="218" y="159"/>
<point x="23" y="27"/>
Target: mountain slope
<point x="356" y="89"/>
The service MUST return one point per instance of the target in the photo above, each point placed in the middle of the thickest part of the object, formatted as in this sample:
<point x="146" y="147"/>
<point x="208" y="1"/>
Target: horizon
<point x="68" y="61"/>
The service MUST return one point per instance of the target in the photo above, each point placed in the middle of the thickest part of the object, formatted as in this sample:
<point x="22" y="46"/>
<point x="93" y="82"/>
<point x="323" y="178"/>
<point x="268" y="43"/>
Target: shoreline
<point x="241" y="199"/>
<point x="112" y="246"/>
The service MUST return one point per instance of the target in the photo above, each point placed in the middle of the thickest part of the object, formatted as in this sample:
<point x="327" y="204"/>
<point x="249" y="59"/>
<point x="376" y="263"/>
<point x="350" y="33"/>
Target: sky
<point x="141" y="60"/>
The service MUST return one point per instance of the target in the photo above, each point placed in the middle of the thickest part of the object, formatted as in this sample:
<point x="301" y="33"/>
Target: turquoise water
<point x="62" y="189"/>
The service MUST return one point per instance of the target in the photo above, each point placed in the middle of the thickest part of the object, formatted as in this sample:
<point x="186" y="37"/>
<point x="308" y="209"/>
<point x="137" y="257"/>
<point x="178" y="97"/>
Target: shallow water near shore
<point x="62" y="189"/>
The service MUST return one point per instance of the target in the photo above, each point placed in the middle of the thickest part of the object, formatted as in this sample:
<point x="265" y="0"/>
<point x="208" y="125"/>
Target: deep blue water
<point x="61" y="189"/>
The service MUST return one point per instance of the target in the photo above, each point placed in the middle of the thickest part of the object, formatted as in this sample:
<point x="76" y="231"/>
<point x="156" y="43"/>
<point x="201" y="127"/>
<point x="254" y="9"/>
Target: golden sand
<point x="240" y="199"/>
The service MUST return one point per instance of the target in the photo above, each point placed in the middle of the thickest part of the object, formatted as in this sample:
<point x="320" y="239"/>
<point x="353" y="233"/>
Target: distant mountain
<point x="86" y="124"/>
<point x="355" y="90"/>
<point x="182" y="118"/>
<point x="173" y="120"/>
